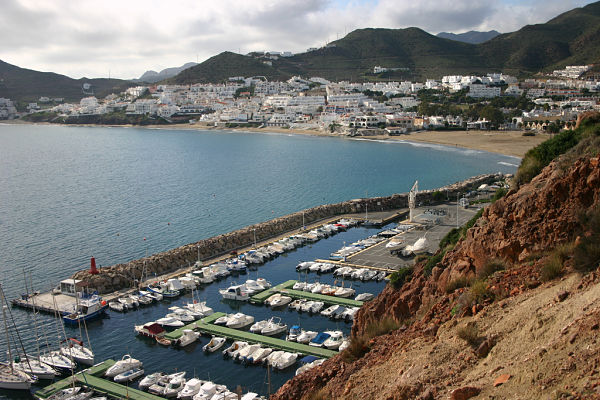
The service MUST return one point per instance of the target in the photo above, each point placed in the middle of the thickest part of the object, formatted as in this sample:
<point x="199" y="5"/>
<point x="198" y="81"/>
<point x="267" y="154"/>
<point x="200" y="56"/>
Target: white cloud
<point x="89" y="38"/>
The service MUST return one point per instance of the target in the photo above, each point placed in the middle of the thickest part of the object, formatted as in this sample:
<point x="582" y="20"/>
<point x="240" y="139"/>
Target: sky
<point x="125" y="38"/>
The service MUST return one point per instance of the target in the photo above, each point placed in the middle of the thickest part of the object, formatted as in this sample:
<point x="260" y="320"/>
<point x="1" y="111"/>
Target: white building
<point x="482" y="91"/>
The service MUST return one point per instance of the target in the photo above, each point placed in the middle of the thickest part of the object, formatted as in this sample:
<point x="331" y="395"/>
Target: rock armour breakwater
<point x="121" y="276"/>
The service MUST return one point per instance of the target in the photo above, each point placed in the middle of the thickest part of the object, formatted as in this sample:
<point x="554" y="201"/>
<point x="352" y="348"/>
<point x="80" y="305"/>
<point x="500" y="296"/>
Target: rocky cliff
<point x="490" y="320"/>
<point x="121" y="276"/>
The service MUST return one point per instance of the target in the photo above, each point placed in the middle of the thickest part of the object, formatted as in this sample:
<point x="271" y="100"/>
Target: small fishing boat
<point x="215" y="344"/>
<point x="129" y="375"/>
<point x="234" y="348"/>
<point x="188" y="337"/>
<point x="88" y="307"/>
<point x="319" y="339"/>
<point x="124" y="364"/>
<point x="239" y="321"/>
<point x="163" y="341"/>
<point x="293" y="333"/>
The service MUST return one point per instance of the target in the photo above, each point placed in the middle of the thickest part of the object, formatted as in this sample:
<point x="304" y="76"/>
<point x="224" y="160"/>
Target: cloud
<point x="89" y="38"/>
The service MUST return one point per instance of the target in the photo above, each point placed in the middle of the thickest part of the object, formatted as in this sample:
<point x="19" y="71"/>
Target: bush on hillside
<point x="398" y="278"/>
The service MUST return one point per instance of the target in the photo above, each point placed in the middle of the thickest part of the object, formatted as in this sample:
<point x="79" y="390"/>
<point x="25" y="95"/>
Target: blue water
<point x="68" y="193"/>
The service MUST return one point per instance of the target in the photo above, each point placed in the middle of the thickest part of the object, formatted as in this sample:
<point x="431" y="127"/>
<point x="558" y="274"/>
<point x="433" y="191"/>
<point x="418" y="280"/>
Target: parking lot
<point x="433" y="222"/>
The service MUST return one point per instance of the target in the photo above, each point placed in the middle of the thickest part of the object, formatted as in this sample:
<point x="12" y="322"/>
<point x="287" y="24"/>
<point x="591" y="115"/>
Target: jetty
<point x="286" y="288"/>
<point x="91" y="378"/>
<point x="206" y="325"/>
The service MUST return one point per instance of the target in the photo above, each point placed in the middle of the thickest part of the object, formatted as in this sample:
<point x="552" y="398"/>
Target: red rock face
<point x="537" y="217"/>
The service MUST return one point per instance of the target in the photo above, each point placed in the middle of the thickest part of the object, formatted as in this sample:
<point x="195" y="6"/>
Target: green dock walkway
<point x="91" y="378"/>
<point x="285" y="288"/>
<point x="206" y="326"/>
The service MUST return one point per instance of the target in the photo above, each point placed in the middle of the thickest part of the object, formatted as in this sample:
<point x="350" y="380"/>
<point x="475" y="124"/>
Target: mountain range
<point x="473" y="37"/>
<point x="572" y="38"/>
<point x="153" y="76"/>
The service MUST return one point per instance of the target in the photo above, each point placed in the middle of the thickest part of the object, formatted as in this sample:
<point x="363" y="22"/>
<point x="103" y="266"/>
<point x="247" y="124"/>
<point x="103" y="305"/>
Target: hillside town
<point x="493" y="101"/>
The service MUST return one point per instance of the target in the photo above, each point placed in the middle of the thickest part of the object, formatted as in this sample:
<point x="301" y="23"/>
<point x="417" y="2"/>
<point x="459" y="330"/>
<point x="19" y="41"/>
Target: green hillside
<point x="23" y="85"/>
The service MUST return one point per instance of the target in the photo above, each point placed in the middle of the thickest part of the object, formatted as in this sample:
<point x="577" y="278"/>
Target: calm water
<point x="67" y="193"/>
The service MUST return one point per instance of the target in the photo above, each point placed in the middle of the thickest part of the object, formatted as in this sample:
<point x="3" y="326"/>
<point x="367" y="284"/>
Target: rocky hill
<point x="511" y="310"/>
<point x="473" y="37"/>
<point x="153" y="76"/>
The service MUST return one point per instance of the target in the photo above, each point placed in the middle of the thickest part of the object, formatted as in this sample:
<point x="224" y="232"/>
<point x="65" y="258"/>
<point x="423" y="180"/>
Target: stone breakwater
<point x="121" y="276"/>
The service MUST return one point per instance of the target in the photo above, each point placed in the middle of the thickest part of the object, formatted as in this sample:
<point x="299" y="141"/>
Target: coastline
<point x="507" y="143"/>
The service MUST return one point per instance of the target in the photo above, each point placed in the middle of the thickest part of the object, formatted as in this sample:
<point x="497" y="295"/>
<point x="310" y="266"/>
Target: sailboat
<point x="11" y="378"/>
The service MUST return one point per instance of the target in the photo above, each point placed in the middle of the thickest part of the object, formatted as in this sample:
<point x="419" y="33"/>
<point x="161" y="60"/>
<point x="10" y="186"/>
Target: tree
<point x="492" y="114"/>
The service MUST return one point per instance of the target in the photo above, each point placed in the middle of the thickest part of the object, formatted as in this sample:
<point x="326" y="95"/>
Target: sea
<point x="117" y="194"/>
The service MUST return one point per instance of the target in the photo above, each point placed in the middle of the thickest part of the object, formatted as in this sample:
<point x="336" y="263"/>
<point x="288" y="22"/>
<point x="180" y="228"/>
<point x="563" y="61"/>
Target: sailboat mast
<point x="6" y="329"/>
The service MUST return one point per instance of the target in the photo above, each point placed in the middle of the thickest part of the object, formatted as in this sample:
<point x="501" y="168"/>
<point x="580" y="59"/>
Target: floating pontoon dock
<point x="286" y="288"/>
<point x="91" y="378"/>
<point x="206" y="325"/>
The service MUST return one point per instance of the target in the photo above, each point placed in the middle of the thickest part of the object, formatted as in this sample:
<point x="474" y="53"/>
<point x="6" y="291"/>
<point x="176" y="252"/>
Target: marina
<point x="206" y="326"/>
<point x="285" y="288"/>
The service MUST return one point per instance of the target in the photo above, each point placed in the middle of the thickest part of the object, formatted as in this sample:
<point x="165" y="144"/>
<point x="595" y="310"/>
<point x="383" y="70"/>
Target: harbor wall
<point x="123" y="275"/>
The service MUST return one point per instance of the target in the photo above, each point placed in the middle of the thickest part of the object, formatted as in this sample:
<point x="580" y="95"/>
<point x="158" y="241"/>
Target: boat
<point x="187" y="282"/>
<point x="318" y="340"/>
<point x="127" y="302"/>
<point x="116" y="306"/>
<point x="293" y="333"/>
<point x="285" y="360"/>
<point x="75" y="350"/>
<point x="200" y="308"/>
<point x="344" y="345"/>
<point x="175" y="386"/>
<point x="297" y="304"/>
<point x="33" y="366"/>
<point x="170" y="322"/>
<point x="58" y="361"/>
<point x="274" y="357"/>
<point x="251" y="287"/>
<point x="65" y="393"/>
<point x="151" y="379"/>
<point x="182" y="314"/>
<point x="303" y="266"/>
<point x="235" y="292"/>
<point x="88" y="307"/>
<point x="204" y="275"/>
<point x="280" y="301"/>
<point x="190" y="389"/>
<point x="249" y="358"/>
<point x="274" y="327"/>
<point x="144" y="299"/>
<point x="309" y="362"/>
<point x="153" y="295"/>
<point x="330" y="311"/>
<point x="14" y="379"/>
<point x="207" y="391"/>
<point x="215" y="344"/>
<point x="239" y="321"/>
<point x="188" y="337"/>
<point x="344" y="292"/>
<point x="334" y="341"/>
<point x="306" y="336"/>
<point x="257" y="327"/>
<point x="235" y="346"/>
<point x="223" y="319"/>
<point x="175" y="285"/>
<point x="135" y="300"/>
<point x="299" y="286"/>
<point x="246" y="351"/>
<point x="129" y="375"/>
<point x="150" y="329"/>
<point x="163" y="341"/>
<point x="124" y="364"/>
<point x="348" y="314"/>
<point x="364" y="297"/>
<point x="305" y="306"/>
<point x="259" y="355"/>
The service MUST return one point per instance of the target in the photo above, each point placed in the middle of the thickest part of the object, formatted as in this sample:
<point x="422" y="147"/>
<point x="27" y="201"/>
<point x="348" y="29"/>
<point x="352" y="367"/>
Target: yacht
<point x="285" y="360"/>
<point x="239" y="321"/>
<point x="125" y="364"/>
<point x="235" y="292"/>
<point x="170" y="322"/>
<point x="329" y="311"/>
<point x="257" y="327"/>
<point x="280" y="301"/>
<point x="58" y="361"/>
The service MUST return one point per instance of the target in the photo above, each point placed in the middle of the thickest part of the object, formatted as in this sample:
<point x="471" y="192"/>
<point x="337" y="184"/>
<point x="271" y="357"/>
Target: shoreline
<point x="507" y="143"/>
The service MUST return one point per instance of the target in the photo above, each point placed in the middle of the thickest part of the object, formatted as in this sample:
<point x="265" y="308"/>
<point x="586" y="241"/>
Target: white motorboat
<point x="299" y="286"/>
<point x="239" y="321"/>
<point x="234" y="348"/>
<point x="235" y="292"/>
<point x="344" y="345"/>
<point x="293" y="333"/>
<point x="303" y="266"/>
<point x="259" y="355"/>
<point x="188" y="282"/>
<point x="124" y="364"/>
<point x="153" y="295"/>
<point x="285" y="360"/>
<point x="75" y="350"/>
<point x="334" y="341"/>
<point x="249" y="358"/>
<point x="129" y="375"/>
<point x="175" y="386"/>
<point x="33" y="366"/>
<point x="190" y="389"/>
<point x="127" y="302"/>
<point x="174" y="284"/>
<point x="315" y="307"/>
<point x="317" y="288"/>
<point x="297" y="304"/>
<point x="170" y="322"/>
<point x="181" y="314"/>
<point x="187" y="337"/>
<point x="280" y="301"/>
<point x="207" y="391"/>
<point x="364" y="297"/>
<point x="327" y="268"/>
<point x="160" y="382"/>
<point x="274" y="327"/>
<point x="315" y="267"/>
<point x="306" y="306"/>
<point x="262" y="282"/>
<point x="329" y="311"/>
<point x="135" y="300"/>
<point x="246" y="351"/>
<point x="273" y="357"/>
<point x="309" y="366"/>
<point x="345" y="292"/>
<point x="200" y="308"/>
<point x="117" y="306"/>
<point x="251" y="287"/>
<point x="271" y="298"/>
<point x="151" y="379"/>
<point x="257" y="327"/>
<point x="215" y="344"/>
<point x="145" y="299"/>
<point x="306" y="336"/>
<point x="222" y="320"/>
<point x="349" y="313"/>
<point x="204" y="275"/>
